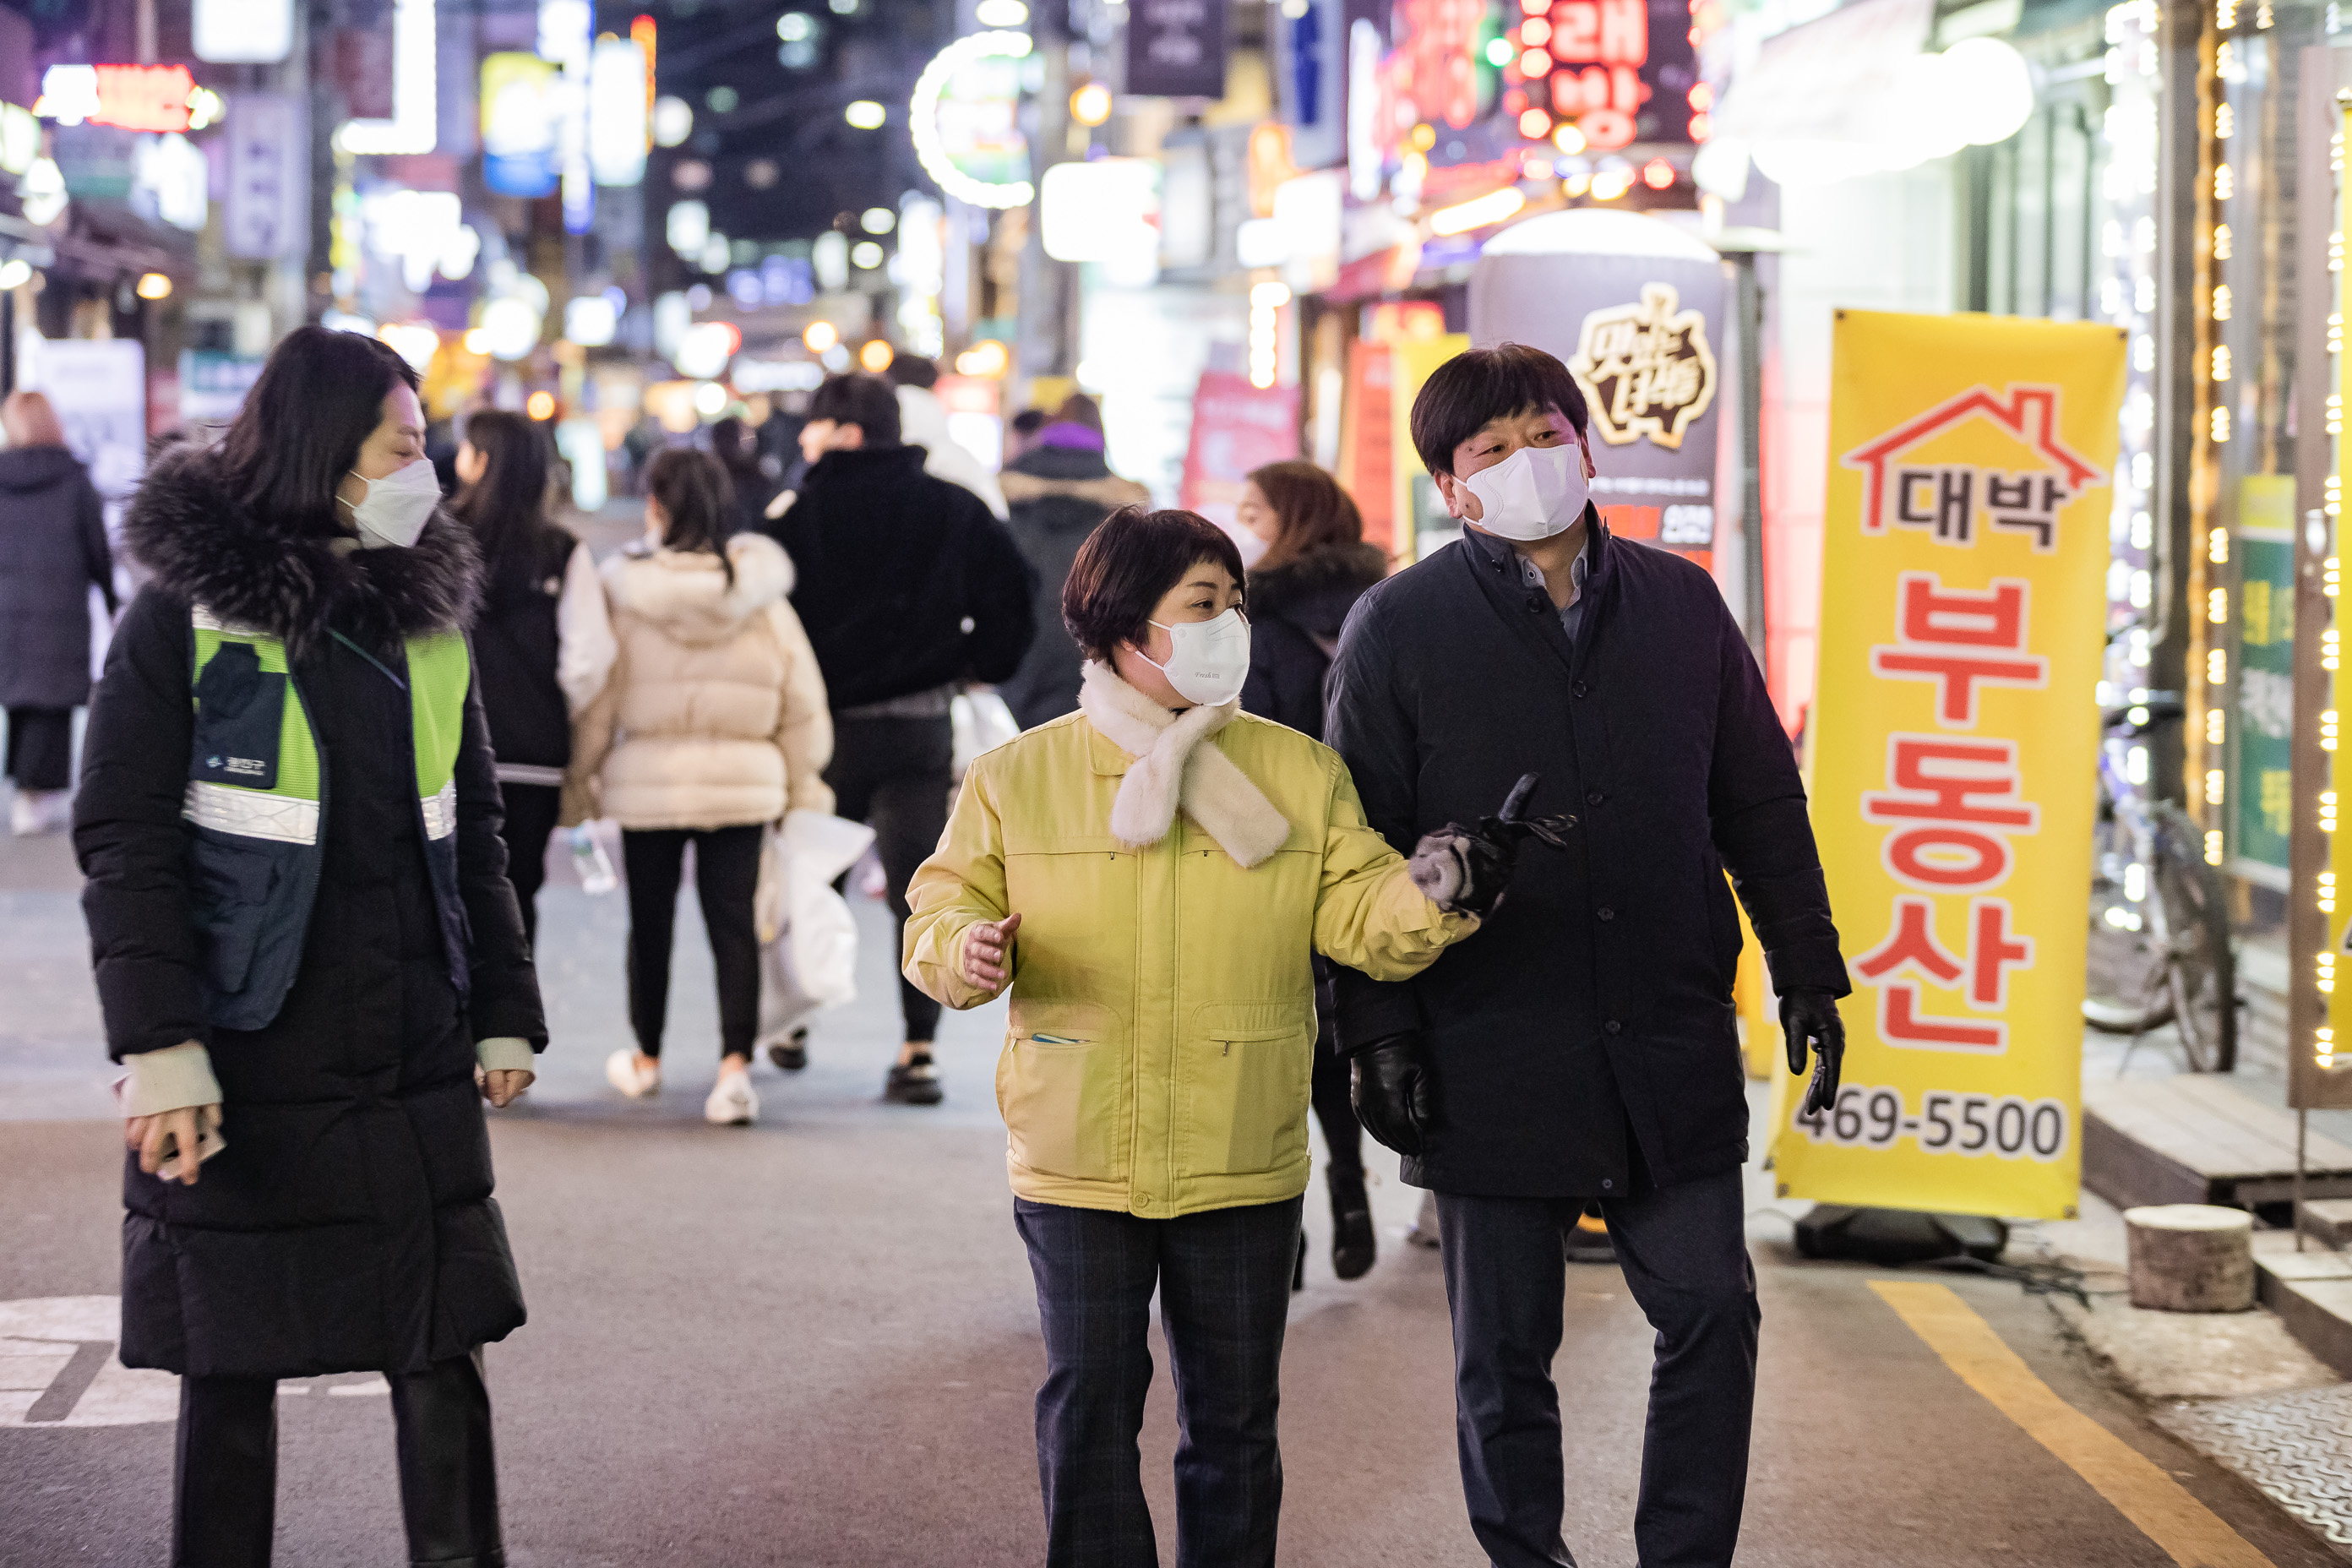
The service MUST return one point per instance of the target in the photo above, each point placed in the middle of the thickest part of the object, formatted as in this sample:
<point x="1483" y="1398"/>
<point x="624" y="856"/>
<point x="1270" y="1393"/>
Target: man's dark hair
<point x="1127" y="564"/>
<point x="867" y="401"/>
<point x="317" y="400"/>
<point x="913" y="370"/>
<point x="1471" y="388"/>
<point x="1028" y="422"/>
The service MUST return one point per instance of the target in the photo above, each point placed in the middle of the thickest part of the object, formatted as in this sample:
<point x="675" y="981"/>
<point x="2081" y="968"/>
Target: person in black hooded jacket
<point x="907" y="585"/>
<point x="52" y="549"/>
<point x="1312" y="566"/>
<point x="307" y="950"/>
<point x="1059" y="492"/>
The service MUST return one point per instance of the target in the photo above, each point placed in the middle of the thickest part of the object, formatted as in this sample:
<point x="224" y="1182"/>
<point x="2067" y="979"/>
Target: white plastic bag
<point x="808" y="953"/>
<point x="981" y="723"/>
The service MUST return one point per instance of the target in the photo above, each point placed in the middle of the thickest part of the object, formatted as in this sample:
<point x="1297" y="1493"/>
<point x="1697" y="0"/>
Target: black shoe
<point x="913" y="1083"/>
<point x="1353" y="1244"/>
<point x="792" y="1054"/>
<point x="1588" y="1240"/>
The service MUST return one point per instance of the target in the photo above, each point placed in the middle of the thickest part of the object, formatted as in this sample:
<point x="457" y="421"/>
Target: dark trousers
<point x="895" y="776"/>
<point x="1223" y="1278"/>
<point x="225" y="1487"/>
<point x="40" y="747"/>
<point x="531" y="811"/>
<point x="1335" y="1110"/>
<point x="726" y="878"/>
<point x="1685" y="1261"/>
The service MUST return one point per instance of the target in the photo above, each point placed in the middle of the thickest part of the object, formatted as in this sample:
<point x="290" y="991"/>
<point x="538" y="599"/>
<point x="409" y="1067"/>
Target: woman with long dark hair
<point x="713" y="725"/>
<point x="309" y="954"/>
<point x="1313" y="567"/>
<point x="542" y="642"/>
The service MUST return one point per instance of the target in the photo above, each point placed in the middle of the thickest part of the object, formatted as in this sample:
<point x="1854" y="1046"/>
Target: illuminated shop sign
<point x="136" y="97"/>
<point x="1602" y="74"/>
<point x="965" y="117"/>
<point x="519" y="124"/>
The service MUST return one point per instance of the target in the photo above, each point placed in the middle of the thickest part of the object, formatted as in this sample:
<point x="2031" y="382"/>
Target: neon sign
<point x="136" y="97"/>
<point x="965" y="118"/>
<point x="1586" y="71"/>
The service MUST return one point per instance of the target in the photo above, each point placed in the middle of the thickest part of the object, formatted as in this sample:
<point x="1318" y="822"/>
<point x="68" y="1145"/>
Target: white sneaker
<point x="733" y="1102"/>
<point x="34" y="812"/>
<point x="621" y="1069"/>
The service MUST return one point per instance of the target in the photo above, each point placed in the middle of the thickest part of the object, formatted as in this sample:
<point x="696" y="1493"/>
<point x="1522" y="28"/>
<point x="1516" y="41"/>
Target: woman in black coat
<point x="52" y="548"/>
<point x="307" y="949"/>
<point x="1314" y="567"/>
<point x="542" y="644"/>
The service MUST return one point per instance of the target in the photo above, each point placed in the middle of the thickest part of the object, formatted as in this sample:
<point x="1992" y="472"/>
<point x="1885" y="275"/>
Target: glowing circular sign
<point x="965" y="118"/>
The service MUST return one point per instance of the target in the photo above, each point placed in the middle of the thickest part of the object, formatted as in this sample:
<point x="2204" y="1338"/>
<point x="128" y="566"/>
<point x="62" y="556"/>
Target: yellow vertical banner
<point x="1419" y="510"/>
<point x="1954" y="744"/>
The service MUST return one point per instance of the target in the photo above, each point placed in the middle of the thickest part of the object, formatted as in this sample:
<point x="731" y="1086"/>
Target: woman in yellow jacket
<point x="1147" y="876"/>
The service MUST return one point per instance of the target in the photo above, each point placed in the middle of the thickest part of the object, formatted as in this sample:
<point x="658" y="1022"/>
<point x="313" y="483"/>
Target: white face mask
<point x="396" y="506"/>
<point x="1252" y="547"/>
<point x="1208" y="662"/>
<point x="1534" y="493"/>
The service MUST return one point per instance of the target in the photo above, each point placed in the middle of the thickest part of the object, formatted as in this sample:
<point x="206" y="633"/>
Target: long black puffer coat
<point x="52" y="548"/>
<point x="1296" y="611"/>
<point x="349" y="1225"/>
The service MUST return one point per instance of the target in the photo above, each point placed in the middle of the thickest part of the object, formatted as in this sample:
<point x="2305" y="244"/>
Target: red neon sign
<point x="143" y="98"/>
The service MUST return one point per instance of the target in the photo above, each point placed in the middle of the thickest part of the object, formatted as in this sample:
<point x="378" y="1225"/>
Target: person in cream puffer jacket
<point x="713" y="723"/>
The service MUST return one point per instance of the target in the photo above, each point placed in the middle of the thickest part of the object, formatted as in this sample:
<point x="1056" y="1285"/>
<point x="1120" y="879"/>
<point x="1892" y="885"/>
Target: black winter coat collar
<point x="202" y="545"/>
<point x="1316" y="592"/>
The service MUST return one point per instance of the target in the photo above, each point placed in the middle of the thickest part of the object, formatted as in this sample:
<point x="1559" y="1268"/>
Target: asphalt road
<point x="813" y="1341"/>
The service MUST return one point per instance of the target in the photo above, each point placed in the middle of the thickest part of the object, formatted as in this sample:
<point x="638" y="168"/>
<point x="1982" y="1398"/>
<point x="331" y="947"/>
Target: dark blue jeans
<point x="1223" y="1278"/>
<point x="1685" y="1254"/>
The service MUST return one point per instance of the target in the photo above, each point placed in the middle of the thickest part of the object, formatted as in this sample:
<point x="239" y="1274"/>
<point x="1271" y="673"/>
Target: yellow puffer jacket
<point x="1163" y="1005"/>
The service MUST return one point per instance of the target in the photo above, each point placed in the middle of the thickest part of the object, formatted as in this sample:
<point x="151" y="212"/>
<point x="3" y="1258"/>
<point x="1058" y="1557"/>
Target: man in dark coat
<point x="907" y="585"/>
<point x="52" y="550"/>
<point x="1584" y="1049"/>
<point x="1058" y="491"/>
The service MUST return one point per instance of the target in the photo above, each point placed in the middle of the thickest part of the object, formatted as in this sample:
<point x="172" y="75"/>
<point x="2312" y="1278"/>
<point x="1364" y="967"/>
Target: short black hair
<point x="913" y="370"/>
<point x="1482" y="385"/>
<point x="867" y="401"/>
<point x="1127" y="564"/>
<point x="1029" y="421"/>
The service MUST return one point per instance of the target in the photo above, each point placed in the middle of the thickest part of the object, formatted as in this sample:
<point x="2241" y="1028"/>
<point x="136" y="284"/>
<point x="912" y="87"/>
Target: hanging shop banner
<point x="269" y="197"/>
<point x="2261" y="794"/>
<point x="1176" y="48"/>
<point x="1953" y="746"/>
<point x="1236" y="427"/>
<point x="1639" y="333"/>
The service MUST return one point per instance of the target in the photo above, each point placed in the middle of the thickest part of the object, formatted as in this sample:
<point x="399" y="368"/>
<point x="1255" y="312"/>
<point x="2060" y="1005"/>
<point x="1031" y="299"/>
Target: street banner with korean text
<point x="1953" y="748"/>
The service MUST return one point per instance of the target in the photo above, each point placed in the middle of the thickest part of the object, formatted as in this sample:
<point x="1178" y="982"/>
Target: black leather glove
<point x="1393" y="1095"/>
<point x="1469" y="868"/>
<point x="1809" y="1015"/>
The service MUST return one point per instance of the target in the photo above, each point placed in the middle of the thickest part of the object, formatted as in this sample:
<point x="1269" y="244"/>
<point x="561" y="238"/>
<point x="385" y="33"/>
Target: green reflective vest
<point x="257" y="800"/>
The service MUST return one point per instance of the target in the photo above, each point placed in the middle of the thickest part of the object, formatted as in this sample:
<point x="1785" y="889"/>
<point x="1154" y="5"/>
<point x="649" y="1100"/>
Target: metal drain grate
<point x="2296" y="1447"/>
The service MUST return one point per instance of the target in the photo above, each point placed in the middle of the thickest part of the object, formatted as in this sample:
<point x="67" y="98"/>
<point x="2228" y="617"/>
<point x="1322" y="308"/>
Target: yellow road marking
<point x="2161" y="1509"/>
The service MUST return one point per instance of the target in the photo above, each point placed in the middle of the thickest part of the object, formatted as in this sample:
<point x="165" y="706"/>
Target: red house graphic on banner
<point x="1957" y="502"/>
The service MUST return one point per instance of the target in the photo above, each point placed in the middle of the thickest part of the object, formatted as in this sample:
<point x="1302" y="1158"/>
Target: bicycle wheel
<point x="2128" y="990"/>
<point x="2201" y="972"/>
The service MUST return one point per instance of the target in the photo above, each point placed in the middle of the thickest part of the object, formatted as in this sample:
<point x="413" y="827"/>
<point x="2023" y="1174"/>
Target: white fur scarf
<point x="1172" y="768"/>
